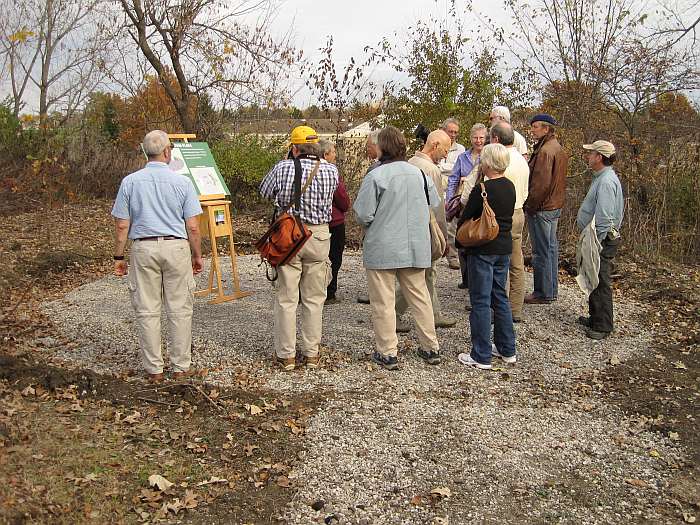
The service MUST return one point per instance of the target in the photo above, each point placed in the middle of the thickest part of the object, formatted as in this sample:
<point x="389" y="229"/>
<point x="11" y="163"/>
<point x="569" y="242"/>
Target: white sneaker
<point x="466" y="359"/>
<point x="495" y="353"/>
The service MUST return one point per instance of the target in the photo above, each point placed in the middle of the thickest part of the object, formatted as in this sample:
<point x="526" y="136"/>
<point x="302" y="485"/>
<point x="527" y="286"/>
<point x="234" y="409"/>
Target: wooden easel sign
<point x="194" y="160"/>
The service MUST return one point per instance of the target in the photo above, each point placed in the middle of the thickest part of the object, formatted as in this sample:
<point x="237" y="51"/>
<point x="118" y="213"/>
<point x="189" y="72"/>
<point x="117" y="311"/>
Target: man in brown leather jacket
<point x="548" y="165"/>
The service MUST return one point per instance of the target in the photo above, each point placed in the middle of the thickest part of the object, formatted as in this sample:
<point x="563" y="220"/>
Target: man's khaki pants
<point x="381" y="285"/>
<point x="304" y="278"/>
<point x="430" y="281"/>
<point x="516" y="272"/>
<point x="161" y="275"/>
<point x="452" y="255"/>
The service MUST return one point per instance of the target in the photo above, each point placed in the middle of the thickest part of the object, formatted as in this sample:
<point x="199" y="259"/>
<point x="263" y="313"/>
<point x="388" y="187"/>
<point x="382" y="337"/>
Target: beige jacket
<point x="424" y="163"/>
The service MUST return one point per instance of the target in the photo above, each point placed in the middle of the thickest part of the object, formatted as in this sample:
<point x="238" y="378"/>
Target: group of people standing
<point x="396" y="201"/>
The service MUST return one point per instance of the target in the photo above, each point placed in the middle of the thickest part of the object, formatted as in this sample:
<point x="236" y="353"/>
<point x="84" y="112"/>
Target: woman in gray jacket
<point x="392" y="206"/>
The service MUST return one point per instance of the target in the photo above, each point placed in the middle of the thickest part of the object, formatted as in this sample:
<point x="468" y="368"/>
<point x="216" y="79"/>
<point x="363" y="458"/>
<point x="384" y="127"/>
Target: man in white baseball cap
<point x="605" y="204"/>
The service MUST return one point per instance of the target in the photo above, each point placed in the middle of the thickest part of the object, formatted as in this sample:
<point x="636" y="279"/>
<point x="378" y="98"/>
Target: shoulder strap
<point x="425" y="188"/>
<point x="298" y="190"/>
<point x="483" y="191"/>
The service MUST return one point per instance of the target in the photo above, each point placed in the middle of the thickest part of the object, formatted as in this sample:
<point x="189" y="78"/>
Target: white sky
<point x="360" y="23"/>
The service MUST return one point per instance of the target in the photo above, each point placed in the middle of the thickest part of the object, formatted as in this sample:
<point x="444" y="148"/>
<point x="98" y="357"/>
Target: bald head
<point x="437" y="145"/>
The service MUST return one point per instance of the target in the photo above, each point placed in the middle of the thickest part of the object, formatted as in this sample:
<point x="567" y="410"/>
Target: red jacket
<point x="341" y="204"/>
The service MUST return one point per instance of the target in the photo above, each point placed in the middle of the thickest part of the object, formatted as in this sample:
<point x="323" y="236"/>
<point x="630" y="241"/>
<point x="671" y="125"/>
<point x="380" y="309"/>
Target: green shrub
<point x="243" y="161"/>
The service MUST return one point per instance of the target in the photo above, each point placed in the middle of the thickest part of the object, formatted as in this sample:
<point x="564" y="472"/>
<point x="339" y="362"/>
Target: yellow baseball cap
<point x="303" y="135"/>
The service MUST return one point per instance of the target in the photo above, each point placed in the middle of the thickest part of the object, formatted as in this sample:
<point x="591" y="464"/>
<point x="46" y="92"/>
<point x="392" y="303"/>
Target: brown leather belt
<point x="165" y="238"/>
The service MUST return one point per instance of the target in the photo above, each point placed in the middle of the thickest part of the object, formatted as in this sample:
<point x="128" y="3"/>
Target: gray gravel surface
<point x="531" y="443"/>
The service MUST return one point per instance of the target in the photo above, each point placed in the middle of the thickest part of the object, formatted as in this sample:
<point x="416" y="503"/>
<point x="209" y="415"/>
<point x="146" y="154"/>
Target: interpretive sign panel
<point x="194" y="159"/>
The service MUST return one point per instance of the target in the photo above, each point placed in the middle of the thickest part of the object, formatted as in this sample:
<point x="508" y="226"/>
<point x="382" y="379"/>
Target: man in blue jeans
<point x="547" y="187"/>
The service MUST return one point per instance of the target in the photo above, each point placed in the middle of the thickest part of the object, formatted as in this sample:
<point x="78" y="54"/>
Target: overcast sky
<point x="360" y="23"/>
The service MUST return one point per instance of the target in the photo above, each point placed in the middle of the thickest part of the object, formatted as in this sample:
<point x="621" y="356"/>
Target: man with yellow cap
<point x="605" y="204"/>
<point x="303" y="280"/>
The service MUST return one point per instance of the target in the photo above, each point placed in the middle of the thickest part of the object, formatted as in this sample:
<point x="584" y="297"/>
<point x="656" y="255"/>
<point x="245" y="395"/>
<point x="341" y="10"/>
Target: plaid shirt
<point x="316" y="202"/>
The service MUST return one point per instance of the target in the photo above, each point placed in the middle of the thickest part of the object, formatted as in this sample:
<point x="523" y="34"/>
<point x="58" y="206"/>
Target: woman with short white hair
<point x="488" y="265"/>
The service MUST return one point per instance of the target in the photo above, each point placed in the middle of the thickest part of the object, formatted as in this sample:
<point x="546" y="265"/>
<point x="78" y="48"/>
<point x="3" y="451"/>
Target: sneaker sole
<point x="472" y="364"/>
<point x="509" y="360"/>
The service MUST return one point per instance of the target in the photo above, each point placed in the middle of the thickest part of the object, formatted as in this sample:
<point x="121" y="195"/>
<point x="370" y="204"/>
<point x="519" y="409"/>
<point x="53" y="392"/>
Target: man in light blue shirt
<point x="159" y="211"/>
<point x="605" y="204"/>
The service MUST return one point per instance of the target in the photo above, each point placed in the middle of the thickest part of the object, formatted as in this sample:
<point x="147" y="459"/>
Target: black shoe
<point x="463" y="286"/>
<point x="332" y="299"/>
<point x="585" y="321"/>
<point x="363" y="299"/>
<point x="387" y="361"/>
<point x="594" y="334"/>
<point x="431" y="357"/>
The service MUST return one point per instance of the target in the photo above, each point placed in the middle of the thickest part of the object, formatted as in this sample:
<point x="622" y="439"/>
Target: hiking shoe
<point x="463" y="286"/>
<point x="466" y="359"/>
<point x="511" y="360"/>
<point x="286" y="363"/>
<point x="594" y="334"/>
<point x="583" y="320"/>
<point x="311" y="361"/>
<point x="536" y="299"/>
<point x="155" y="378"/>
<point x="363" y="299"/>
<point x="431" y="357"/>
<point x="445" y="322"/>
<point x="402" y="327"/>
<point x="332" y="300"/>
<point x="387" y="361"/>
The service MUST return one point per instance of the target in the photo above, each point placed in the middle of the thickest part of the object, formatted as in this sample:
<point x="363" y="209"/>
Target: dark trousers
<point x="464" y="269"/>
<point x="600" y="304"/>
<point x="336" y="255"/>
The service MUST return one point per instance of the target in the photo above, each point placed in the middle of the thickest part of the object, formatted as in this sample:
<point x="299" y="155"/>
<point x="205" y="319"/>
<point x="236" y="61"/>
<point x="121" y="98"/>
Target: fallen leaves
<point x="158" y="481"/>
<point x="636" y="483"/>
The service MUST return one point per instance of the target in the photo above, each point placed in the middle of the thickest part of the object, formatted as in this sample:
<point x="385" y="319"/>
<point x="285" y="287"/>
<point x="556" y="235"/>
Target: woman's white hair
<point x="373" y="136"/>
<point x="155" y="142"/>
<point x="496" y="157"/>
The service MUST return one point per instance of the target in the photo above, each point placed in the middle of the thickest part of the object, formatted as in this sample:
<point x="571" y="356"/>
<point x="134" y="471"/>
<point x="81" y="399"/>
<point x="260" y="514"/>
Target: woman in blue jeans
<point x="488" y="265"/>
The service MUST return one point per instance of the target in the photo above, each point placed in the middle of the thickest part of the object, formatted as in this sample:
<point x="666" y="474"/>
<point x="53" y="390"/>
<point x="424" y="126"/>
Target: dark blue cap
<point x="543" y="117"/>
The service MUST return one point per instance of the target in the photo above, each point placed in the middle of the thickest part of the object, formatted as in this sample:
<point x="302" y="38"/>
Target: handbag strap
<point x="425" y="188"/>
<point x="298" y="190"/>
<point x="483" y="192"/>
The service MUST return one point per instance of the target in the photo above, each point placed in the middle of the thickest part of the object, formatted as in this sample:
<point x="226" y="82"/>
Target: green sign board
<point x="194" y="159"/>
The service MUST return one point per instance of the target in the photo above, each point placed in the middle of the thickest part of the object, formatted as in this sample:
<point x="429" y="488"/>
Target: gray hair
<point x="476" y="127"/>
<point x="307" y="149"/>
<point x="504" y="132"/>
<point x="501" y="111"/>
<point x="373" y="136"/>
<point x="155" y="142"/>
<point x="324" y="146"/>
<point x="449" y="121"/>
<point x="496" y="157"/>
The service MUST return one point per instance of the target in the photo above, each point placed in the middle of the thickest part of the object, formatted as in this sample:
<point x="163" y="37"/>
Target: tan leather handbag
<point x="476" y="232"/>
<point x="438" y="243"/>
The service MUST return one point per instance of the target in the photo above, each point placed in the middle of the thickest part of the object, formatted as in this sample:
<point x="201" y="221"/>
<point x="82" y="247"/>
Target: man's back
<point x="518" y="172"/>
<point x="156" y="201"/>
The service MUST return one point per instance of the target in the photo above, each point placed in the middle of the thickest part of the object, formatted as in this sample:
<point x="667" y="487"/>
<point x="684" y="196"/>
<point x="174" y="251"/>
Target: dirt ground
<point x="76" y="447"/>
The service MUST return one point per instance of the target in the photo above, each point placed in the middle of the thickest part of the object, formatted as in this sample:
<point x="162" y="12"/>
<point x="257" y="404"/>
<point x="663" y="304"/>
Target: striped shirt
<point x="316" y="202"/>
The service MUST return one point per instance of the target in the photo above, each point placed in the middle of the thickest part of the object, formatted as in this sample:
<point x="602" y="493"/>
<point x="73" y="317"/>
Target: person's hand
<point x="121" y="268"/>
<point x="197" y="265"/>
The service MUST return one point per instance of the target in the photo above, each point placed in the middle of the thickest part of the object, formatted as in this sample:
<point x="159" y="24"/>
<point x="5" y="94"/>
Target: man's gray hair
<point x="155" y="142"/>
<point x="504" y="132"/>
<point x="449" y="121"/>
<point x="501" y="111"/>
<point x="307" y="149"/>
<point x="477" y="127"/>
<point x="373" y="136"/>
<point x="324" y="146"/>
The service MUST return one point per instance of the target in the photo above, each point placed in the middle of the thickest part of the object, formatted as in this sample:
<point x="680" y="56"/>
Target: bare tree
<point x="53" y="50"/>
<point x="205" y="47"/>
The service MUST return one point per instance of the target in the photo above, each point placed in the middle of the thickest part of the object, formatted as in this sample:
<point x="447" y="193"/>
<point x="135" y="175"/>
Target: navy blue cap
<point x="543" y="117"/>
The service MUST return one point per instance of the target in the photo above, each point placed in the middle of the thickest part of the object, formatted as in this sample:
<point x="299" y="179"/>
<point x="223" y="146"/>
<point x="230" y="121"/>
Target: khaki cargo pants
<point x="160" y="275"/>
<point x="303" y="281"/>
